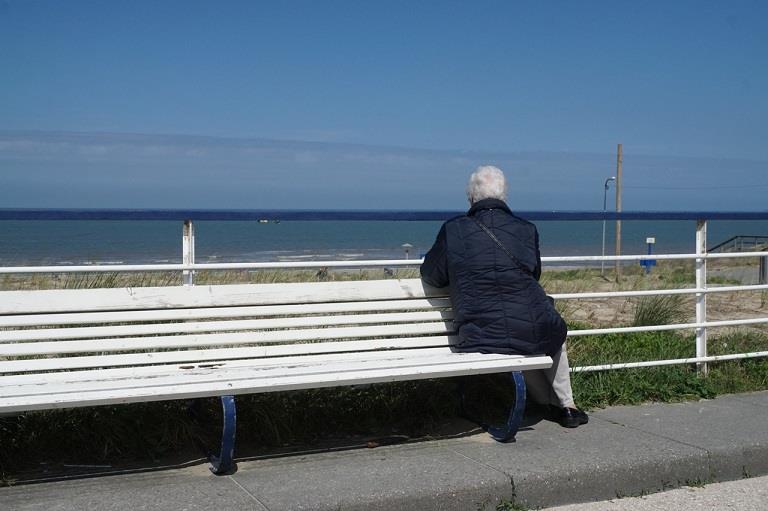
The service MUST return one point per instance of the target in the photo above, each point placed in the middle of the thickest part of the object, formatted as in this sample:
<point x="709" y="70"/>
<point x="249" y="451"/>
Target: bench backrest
<point x="55" y="330"/>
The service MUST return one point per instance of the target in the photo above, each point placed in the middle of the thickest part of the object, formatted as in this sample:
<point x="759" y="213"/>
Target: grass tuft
<point x="659" y="310"/>
<point x="509" y="505"/>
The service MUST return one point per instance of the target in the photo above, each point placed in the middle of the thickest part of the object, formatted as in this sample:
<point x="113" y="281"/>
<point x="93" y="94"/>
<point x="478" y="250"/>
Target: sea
<point x="65" y="242"/>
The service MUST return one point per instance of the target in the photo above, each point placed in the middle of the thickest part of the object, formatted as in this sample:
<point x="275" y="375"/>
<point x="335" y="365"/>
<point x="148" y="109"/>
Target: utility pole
<point x="619" y="160"/>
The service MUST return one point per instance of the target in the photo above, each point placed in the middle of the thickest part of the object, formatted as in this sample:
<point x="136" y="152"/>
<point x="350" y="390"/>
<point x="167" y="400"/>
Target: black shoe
<point x="570" y="417"/>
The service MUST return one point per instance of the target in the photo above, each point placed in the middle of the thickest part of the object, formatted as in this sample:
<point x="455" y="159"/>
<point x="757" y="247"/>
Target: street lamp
<point x="605" y="198"/>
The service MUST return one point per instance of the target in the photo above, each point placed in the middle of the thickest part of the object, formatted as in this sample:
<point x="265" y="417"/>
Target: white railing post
<point x="188" y="252"/>
<point x="701" y="298"/>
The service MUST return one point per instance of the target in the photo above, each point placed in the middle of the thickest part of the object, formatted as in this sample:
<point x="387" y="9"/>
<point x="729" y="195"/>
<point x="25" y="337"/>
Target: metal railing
<point x="741" y="243"/>
<point x="701" y="256"/>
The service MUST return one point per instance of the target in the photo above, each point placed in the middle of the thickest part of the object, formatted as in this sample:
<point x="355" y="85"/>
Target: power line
<point x="714" y="187"/>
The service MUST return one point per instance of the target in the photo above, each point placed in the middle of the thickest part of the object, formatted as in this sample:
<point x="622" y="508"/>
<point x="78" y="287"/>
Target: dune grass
<point x="663" y="383"/>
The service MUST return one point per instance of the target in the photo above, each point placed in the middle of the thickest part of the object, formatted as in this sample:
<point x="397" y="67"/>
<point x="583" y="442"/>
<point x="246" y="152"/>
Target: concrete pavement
<point x="623" y="451"/>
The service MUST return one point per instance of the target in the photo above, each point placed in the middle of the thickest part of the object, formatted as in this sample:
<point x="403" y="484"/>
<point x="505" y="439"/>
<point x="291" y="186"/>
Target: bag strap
<point x="515" y="260"/>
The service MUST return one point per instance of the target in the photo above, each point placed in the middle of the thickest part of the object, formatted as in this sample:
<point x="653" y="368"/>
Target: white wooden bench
<point x="74" y="348"/>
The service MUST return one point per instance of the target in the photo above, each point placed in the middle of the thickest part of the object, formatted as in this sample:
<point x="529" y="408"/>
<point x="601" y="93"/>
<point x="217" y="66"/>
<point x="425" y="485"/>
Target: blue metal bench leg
<point x="507" y="432"/>
<point x="224" y="462"/>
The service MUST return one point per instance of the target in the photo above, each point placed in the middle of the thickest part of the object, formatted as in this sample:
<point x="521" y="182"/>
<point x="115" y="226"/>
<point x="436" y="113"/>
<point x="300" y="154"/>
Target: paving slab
<point x="189" y="489"/>
<point x="733" y="431"/>
<point x="744" y="495"/>
<point x="756" y="398"/>
<point x="413" y="476"/>
<point x="550" y="465"/>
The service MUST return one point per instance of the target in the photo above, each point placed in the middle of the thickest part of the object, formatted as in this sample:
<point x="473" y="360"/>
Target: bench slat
<point x="282" y="364"/>
<point x="96" y="332"/>
<point x="81" y="318"/>
<point x="203" y="340"/>
<point x="89" y="300"/>
<point x="247" y="383"/>
<point x="192" y="356"/>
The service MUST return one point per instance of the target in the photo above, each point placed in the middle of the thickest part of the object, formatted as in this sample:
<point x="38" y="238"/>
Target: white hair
<point x="486" y="182"/>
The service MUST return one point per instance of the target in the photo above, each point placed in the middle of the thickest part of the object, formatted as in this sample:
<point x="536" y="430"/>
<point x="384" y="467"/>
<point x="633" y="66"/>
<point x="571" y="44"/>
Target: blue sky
<point x="381" y="104"/>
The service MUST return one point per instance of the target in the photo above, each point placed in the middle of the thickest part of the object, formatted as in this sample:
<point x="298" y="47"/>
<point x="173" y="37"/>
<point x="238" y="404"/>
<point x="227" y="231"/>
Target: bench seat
<point x="215" y="378"/>
<point x="73" y="348"/>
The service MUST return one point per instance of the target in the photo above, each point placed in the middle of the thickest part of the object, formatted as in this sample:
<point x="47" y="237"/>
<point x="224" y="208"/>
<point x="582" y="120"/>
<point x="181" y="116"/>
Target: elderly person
<point x="490" y="259"/>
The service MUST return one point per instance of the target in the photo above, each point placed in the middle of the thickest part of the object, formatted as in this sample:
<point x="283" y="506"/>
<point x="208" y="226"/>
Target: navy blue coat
<point x="499" y="306"/>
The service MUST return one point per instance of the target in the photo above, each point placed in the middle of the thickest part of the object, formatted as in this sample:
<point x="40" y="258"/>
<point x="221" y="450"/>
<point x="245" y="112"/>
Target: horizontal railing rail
<point x="351" y="215"/>
<point x="741" y="242"/>
<point x="675" y="361"/>
<point x="359" y="263"/>
<point x="188" y="267"/>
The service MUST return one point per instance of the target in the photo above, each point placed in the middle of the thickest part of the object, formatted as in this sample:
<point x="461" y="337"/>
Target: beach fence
<point x="699" y="254"/>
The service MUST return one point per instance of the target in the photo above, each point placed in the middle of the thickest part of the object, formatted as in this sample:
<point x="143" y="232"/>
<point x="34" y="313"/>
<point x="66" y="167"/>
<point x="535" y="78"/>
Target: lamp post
<point x="605" y="198"/>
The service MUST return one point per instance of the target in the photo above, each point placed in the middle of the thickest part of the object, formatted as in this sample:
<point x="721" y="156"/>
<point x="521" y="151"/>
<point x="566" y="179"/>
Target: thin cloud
<point x="134" y="170"/>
